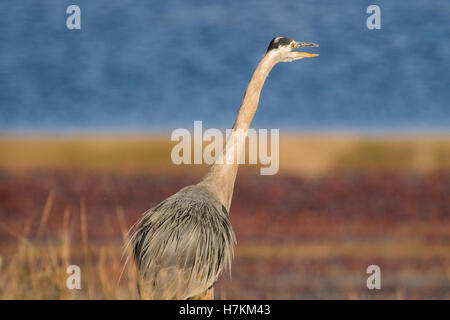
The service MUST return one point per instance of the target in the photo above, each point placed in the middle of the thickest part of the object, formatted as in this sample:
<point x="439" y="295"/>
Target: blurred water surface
<point x="158" y="65"/>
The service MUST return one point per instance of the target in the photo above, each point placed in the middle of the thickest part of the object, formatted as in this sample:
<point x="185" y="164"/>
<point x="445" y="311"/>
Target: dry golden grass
<point x="405" y="250"/>
<point x="95" y="153"/>
<point x="35" y="268"/>
<point x="309" y="155"/>
<point x="303" y="155"/>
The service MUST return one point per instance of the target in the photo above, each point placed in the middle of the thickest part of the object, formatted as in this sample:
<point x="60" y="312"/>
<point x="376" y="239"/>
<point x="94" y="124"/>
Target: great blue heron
<point x="181" y="246"/>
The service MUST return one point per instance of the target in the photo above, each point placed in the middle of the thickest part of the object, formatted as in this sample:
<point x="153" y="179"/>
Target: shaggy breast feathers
<point x="182" y="245"/>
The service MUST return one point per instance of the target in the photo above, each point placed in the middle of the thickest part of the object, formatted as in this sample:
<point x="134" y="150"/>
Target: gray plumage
<point x="182" y="245"/>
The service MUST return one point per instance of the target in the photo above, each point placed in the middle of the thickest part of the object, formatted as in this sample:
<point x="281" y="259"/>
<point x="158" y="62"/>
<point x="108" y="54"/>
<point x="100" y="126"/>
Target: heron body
<point x="181" y="246"/>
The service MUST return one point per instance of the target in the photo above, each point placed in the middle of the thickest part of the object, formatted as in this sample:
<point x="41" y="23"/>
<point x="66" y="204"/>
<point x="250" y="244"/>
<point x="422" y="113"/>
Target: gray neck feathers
<point x="221" y="176"/>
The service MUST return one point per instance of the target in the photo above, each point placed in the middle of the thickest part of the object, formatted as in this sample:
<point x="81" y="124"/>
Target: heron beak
<point x="301" y="55"/>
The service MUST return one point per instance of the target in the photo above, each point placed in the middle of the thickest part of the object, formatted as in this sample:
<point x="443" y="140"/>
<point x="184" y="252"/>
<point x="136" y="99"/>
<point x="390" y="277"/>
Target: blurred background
<point x="86" y="117"/>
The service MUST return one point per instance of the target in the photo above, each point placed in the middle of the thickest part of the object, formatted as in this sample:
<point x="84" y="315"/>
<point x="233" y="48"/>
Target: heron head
<point x="283" y="49"/>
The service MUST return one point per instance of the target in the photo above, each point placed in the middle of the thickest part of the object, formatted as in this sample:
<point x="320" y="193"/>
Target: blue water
<point x="158" y="65"/>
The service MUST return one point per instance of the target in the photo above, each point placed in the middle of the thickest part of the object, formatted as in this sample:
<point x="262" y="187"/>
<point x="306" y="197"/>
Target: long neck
<point x="221" y="176"/>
